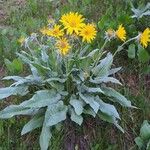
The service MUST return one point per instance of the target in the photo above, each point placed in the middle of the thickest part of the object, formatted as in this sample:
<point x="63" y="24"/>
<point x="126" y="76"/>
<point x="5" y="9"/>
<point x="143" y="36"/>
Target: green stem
<point x="102" y="48"/>
<point x="121" y="46"/>
<point x="66" y="65"/>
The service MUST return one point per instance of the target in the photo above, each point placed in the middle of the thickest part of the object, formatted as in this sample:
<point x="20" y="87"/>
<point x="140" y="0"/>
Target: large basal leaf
<point x="139" y="142"/>
<point x="34" y="71"/>
<point x="100" y="80"/>
<point x="14" y="110"/>
<point x="145" y="130"/>
<point x="89" y="111"/>
<point x="102" y="69"/>
<point x="92" y="89"/>
<point x="15" y="78"/>
<point x="45" y="137"/>
<point x="78" y="105"/>
<point x="116" y="96"/>
<point x="42" y="98"/>
<point x="8" y="91"/>
<point x="29" y="80"/>
<point x="148" y="145"/>
<point x="89" y="99"/>
<point x="142" y="11"/>
<point x="24" y="58"/>
<point x="110" y="119"/>
<point x="42" y="70"/>
<point x="114" y="70"/>
<point x="35" y="122"/>
<point x="107" y="108"/>
<point x="56" y="79"/>
<point x="55" y="113"/>
<point x="76" y="118"/>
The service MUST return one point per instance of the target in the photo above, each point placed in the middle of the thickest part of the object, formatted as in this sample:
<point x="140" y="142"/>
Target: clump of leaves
<point x="143" y="140"/>
<point x="63" y="83"/>
<point x="62" y="87"/>
<point x="141" y="11"/>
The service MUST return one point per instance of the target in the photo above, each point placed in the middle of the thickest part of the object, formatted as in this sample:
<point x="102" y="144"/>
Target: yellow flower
<point x="72" y="22"/>
<point x="56" y="31"/>
<point x="45" y="31"/>
<point x="21" y="39"/>
<point x="63" y="46"/>
<point x="121" y="33"/>
<point x="145" y="37"/>
<point x="88" y="33"/>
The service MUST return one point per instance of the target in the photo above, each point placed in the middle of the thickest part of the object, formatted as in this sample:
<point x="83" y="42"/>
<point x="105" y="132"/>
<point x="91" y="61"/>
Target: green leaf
<point x="45" y="137"/>
<point x="99" y="80"/>
<point x="24" y="58"/>
<point x="117" y="96"/>
<point x="44" y="55"/>
<point x="17" y="65"/>
<point x="14" y="110"/>
<point x="110" y="119"/>
<point x="139" y="142"/>
<point x="42" y="98"/>
<point x="107" y="108"/>
<point x="89" y="111"/>
<point x="148" y="145"/>
<point x="93" y="53"/>
<point x="9" y="65"/>
<point x="146" y="70"/>
<point x="76" y="118"/>
<point x="114" y="70"/>
<point x="78" y="105"/>
<point x="34" y="71"/>
<point x="145" y="130"/>
<point x="143" y="55"/>
<point x="141" y="11"/>
<point x="131" y="51"/>
<point x="89" y="99"/>
<point x="103" y="68"/>
<point x="86" y="2"/>
<point x="35" y="122"/>
<point x="15" y="78"/>
<point x="55" y="79"/>
<point x="55" y="113"/>
<point x="8" y="91"/>
<point x="92" y="90"/>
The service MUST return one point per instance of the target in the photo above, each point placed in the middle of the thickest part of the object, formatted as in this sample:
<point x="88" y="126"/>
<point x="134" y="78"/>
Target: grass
<point x="22" y="17"/>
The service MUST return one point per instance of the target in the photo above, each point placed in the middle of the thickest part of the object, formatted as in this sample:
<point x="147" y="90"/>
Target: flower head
<point x="21" y="40"/>
<point x="121" y="33"/>
<point x="109" y="34"/>
<point x="63" y="46"/>
<point x="145" y="37"/>
<point x="45" y="31"/>
<point x="72" y="22"/>
<point x="56" y="31"/>
<point x="88" y="33"/>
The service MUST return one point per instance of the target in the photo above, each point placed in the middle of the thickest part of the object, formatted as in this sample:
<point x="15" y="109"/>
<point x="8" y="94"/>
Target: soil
<point x="2" y="73"/>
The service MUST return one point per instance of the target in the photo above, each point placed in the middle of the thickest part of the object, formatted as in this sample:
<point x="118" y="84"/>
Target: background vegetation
<point x="23" y="17"/>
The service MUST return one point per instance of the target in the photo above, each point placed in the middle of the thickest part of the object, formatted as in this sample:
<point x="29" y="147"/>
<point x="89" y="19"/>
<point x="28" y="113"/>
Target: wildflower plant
<point x="67" y="79"/>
